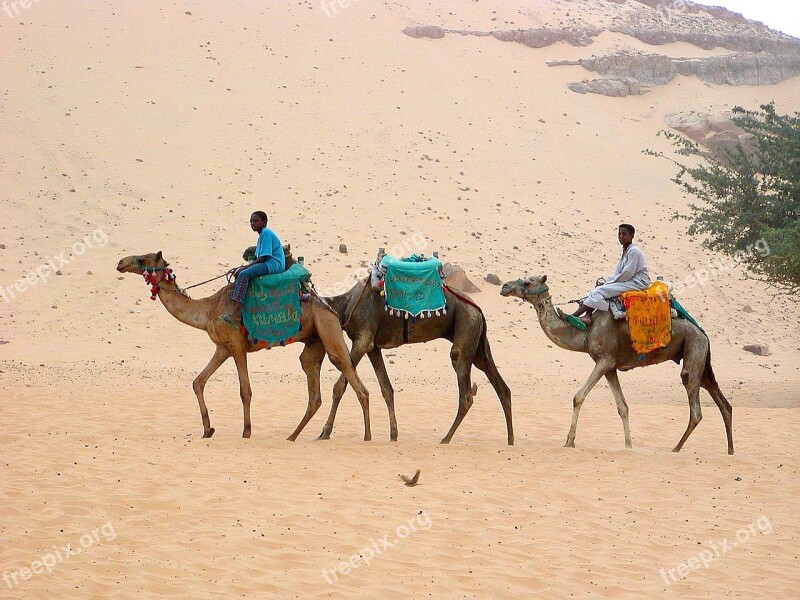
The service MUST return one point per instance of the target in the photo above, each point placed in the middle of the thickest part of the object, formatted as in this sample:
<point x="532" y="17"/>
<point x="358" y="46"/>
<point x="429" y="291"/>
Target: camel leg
<point x="245" y="392"/>
<point x="221" y="354"/>
<point x="339" y="388"/>
<point x="330" y="332"/>
<point x="311" y="359"/>
<point x="709" y="382"/>
<point x="376" y="358"/>
<point x="600" y="369"/>
<point x="462" y="368"/>
<point x="622" y="406"/>
<point x="500" y="387"/>
<point x="691" y="381"/>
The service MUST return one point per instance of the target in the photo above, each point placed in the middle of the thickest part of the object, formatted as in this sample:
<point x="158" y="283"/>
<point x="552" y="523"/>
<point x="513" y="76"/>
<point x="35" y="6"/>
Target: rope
<point x="207" y="281"/>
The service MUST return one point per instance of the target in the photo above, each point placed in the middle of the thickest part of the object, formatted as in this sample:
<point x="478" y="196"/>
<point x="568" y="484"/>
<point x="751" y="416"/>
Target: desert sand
<point x="161" y="125"/>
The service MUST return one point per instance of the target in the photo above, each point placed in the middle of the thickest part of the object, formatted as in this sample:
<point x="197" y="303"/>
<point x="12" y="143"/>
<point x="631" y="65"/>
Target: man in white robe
<point x="631" y="274"/>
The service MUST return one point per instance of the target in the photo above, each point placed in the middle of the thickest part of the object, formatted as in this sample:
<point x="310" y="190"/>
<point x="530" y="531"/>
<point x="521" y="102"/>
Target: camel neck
<point x="560" y="333"/>
<point x="190" y="312"/>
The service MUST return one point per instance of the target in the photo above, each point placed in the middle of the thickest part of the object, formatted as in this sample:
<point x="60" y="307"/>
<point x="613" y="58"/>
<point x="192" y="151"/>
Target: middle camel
<point x="372" y="329"/>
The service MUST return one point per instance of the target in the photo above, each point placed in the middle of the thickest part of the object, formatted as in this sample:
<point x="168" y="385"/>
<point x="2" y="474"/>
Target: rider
<point x="630" y="274"/>
<point x="269" y="260"/>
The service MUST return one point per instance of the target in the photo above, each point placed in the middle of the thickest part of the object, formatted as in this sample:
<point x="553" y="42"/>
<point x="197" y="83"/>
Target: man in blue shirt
<point x="269" y="260"/>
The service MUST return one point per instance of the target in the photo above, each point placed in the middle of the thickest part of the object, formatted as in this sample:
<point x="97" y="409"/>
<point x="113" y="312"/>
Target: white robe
<point x="631" y="274"/>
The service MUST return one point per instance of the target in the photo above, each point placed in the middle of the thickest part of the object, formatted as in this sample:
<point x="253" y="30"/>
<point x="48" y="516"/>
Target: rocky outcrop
<point x="718" y="133"/>
<point x="709" y="41"/>
<point x="655" y="69"/>
<point x="760" y="55"/>
<point x="617" y="87"/>
<point x="533" y="38"/>
<point x="540" y="38"/>
<point x="424" y="31"/>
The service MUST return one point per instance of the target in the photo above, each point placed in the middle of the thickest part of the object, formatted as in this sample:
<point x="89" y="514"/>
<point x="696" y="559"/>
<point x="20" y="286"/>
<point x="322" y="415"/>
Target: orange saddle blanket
<point x="649" y="317"/>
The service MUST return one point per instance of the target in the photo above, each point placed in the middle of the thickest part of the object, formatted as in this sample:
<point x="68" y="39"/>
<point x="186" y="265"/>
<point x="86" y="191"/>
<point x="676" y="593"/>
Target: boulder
<point x="456" y="278"/>
<point x="758" y="349"/>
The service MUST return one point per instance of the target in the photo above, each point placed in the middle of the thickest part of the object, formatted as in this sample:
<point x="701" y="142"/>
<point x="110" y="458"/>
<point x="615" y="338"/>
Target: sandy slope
<point x="162" y="130"/>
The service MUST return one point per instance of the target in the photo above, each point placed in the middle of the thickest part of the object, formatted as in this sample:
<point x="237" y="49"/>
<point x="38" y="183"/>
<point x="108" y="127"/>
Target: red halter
<point x="153" y="276"/>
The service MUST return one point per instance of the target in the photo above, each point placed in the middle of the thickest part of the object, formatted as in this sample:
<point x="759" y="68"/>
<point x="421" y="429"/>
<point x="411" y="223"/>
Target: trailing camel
<point x="608" y="342"/>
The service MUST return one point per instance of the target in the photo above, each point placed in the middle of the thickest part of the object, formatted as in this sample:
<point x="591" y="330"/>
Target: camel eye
<point x="527" y="282"/>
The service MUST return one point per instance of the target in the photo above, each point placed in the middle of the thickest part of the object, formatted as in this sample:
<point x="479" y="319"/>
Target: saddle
<point x="412" y="286"/>
<point x="649" y="317"/>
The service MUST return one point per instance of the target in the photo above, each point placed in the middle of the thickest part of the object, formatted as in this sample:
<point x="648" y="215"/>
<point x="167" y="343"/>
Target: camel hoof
<point x="676" y="449"/>
<point x="367" y="438"/>
<point x="324" y="436"/>
<point x="569" y="445"/>
<point x="209" y="433"/>
<point x="730" y="451"/>
<point x="445" y="441"/>
<point x="245" y="434"/>
<point x="291" y="438"/>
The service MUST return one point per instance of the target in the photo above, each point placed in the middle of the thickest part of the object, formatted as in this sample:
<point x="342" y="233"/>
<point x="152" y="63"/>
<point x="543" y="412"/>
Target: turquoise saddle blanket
<point x="413" y="286"/>
<point x="271" y="310"/>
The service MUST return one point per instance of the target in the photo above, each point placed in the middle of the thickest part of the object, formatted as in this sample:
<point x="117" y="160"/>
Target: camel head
<point x="138" y="263"/>
<point x="529" y="288"/>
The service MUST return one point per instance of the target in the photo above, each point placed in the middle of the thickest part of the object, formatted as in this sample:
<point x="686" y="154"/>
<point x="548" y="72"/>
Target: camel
<point x="321" y="334"/>
<point x="608" y="342"/>
<point x="372" y="329"/>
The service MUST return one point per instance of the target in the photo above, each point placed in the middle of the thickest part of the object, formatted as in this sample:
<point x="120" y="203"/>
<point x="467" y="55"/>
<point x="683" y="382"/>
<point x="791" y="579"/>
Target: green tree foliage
<point x="749" y="196"/>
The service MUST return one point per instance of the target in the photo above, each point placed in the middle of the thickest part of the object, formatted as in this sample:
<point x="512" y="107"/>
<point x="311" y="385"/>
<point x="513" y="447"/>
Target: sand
<point x="137" y="128"/>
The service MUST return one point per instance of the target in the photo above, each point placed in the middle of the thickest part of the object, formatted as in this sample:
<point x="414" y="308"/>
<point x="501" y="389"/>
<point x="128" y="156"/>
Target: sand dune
<point x="135" y="127"/>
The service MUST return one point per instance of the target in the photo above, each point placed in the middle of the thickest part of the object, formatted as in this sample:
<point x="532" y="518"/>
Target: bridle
<point x="154" y="276"/>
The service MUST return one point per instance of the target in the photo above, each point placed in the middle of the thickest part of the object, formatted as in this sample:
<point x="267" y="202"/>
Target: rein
<point x="149" y="274"/>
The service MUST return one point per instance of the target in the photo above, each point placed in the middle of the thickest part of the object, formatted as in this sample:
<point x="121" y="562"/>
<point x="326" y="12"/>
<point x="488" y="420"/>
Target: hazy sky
<point x="783" y="15"/>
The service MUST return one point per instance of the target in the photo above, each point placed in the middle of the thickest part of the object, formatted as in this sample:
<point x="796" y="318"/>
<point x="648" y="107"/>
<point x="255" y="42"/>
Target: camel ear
<point x="288" y="247"/>
<point x="544" y="278"/>
<point x="158" y="255"/>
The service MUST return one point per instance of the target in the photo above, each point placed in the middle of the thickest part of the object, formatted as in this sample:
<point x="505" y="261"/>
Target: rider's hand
<point x="600" y="281"/>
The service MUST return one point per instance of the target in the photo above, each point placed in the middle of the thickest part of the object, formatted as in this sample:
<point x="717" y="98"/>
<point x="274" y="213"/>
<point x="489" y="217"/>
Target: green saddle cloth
<point x="413" y="286"/>
<point x="271" y="310"/>
<point x="683" y="313"/>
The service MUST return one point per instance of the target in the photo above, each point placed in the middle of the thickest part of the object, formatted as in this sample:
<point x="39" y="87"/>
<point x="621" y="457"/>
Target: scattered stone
<point x="758" y="349"/>
<point x="2" y="246"/>
<point x="493" y="279"/>
<point x="747" y="308"/>
<point x="188" y="12"/>
<point x="59" y="272"/>
<point x="88" y="272"/>
<point x="343" y="248"/>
